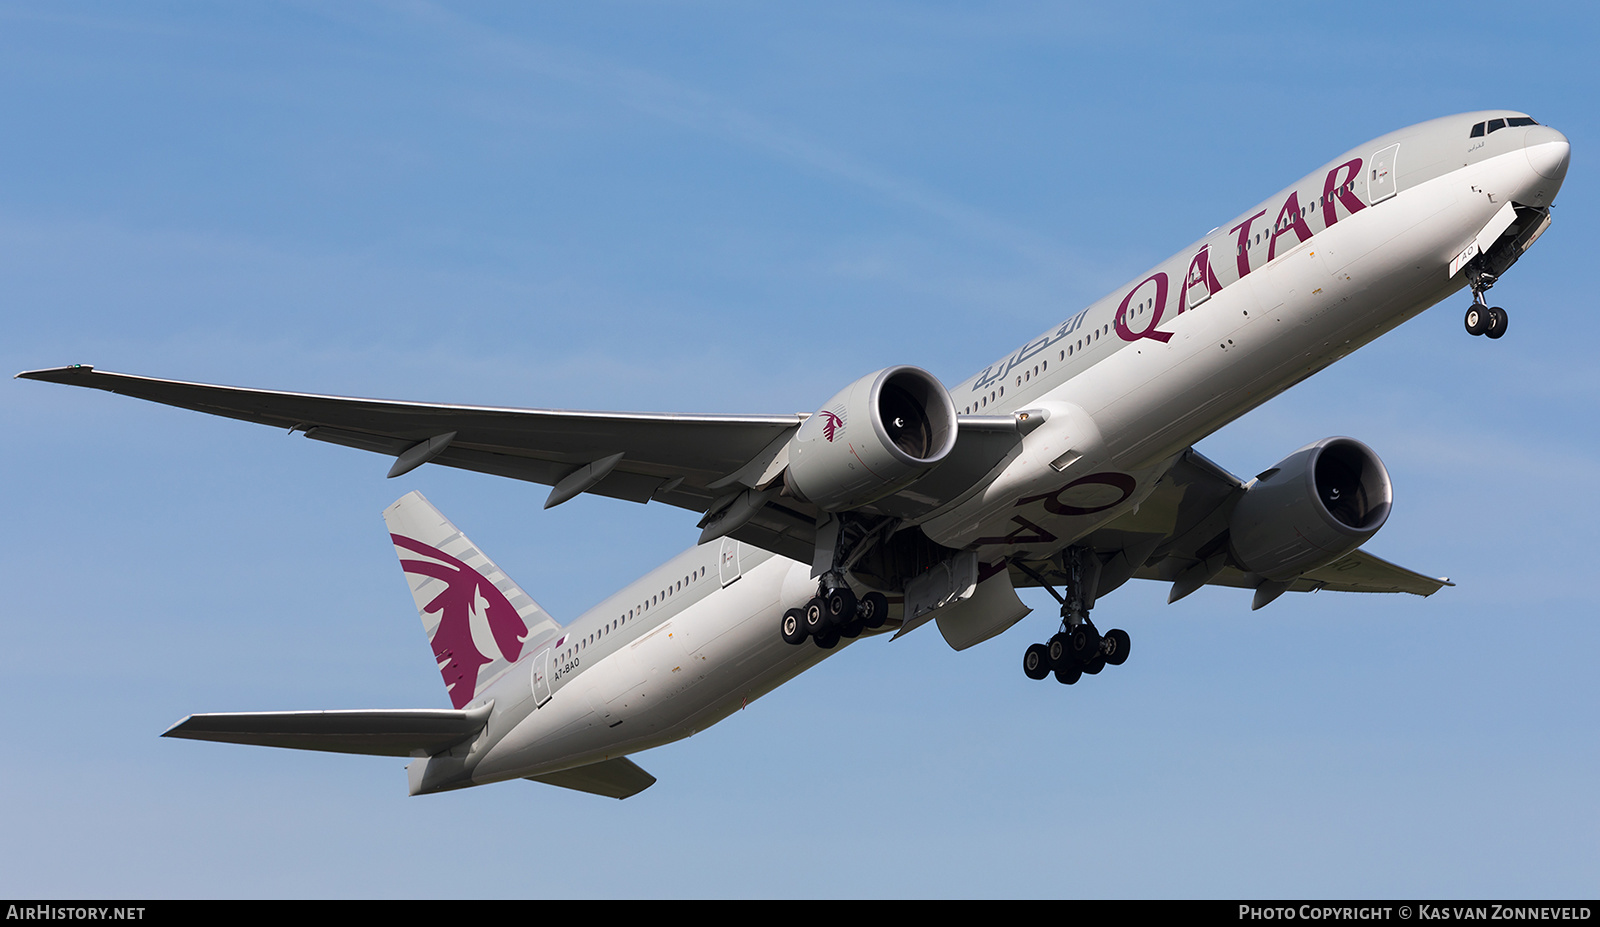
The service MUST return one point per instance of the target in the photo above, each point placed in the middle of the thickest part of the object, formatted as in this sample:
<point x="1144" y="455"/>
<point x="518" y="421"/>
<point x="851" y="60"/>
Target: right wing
<point x="705" y="463"/>
<point x="676" y="459"/>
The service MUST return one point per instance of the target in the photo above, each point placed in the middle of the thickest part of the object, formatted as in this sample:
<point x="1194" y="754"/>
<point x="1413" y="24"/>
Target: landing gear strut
<point x="836" y="612"/>
<point x="1078" y="648"/>
<point x="1483" y="319"/>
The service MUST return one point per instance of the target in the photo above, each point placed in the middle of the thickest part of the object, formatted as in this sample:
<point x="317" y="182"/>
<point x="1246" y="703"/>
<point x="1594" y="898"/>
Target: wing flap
<point x="414" y="732"/>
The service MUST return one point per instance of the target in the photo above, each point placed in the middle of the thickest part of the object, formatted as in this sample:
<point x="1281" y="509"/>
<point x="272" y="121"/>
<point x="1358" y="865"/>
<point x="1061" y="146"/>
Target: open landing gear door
<point x="992" y="608"/>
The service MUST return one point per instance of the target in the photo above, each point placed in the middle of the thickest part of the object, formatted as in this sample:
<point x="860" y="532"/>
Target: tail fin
<point x="478" y="621"/>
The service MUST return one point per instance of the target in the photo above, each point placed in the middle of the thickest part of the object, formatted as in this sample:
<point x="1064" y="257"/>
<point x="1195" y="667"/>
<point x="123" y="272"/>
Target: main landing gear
<point x="1072" y="654"/>
<point x="833" y="614"/>
<point x="835" y="611"/>
<point x="1483" y="319"/>
<point x="1078" y="648"/>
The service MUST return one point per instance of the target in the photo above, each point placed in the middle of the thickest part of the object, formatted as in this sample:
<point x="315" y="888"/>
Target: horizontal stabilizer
<point x="413" y="732"/>
<point x="618" y="778"/>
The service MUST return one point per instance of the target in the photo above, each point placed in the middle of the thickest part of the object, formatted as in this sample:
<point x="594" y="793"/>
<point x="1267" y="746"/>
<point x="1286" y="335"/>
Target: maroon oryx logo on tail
<point x="830" y="423"/>
<point x="472" y="612"/>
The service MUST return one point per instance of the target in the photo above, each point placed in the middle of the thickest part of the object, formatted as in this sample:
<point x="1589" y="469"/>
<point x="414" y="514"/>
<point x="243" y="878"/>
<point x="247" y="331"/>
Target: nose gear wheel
<point x="1482" y="318"/>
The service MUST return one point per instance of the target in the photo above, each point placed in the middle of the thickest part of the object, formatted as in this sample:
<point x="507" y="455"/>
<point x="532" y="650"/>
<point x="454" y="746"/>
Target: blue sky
<point x="735" y="208"/>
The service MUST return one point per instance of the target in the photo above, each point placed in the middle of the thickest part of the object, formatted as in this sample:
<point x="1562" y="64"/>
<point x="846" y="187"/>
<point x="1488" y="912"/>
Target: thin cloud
<point x="673" y="101"/>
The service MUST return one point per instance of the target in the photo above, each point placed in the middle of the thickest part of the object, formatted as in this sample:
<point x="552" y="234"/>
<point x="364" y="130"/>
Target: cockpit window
<point x="1494" y="125"/>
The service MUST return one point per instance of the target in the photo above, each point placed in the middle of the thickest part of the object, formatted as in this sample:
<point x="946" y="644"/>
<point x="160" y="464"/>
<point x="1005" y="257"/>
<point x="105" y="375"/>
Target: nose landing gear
<point x="1486" y="320"/>
<point x="1483" y="319"/>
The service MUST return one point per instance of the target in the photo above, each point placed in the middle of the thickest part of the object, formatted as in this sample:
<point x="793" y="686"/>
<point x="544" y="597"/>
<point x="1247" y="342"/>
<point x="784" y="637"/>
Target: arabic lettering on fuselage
<point x="997" y="371"/>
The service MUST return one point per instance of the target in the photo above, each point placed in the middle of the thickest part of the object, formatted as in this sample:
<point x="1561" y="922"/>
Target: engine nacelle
<point x="1318" y="504"/>
<point x="878" y="435"/>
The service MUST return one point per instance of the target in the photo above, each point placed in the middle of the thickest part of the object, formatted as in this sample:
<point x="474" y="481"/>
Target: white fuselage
<point x="1309" y="275"/>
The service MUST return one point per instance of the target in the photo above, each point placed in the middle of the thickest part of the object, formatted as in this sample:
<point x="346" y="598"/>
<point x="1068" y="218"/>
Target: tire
<point x="874" y="610"/>
<point x="1497" y="322"/>
<point x="1056" y="650"/>
<point x="1116" y="647"/>
<point x="841" y="606"/>
<point x="1068" y="675"/>
<point x="793" y="626"/>
<point x="852" y="629"/>
<point x="827" y="640"/>
<point x="1085" y="644"/>
<point x="1477" y="320"/>
<point x="1036" y="661"/>
<point x="1093" y="667"/>
<point x="815" y="617"/>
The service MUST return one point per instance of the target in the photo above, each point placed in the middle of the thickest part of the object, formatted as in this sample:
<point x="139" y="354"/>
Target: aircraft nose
<point x="1547" y="151"/>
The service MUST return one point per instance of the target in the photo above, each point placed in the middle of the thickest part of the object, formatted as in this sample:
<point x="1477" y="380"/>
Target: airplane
<point x="1067" y="464"/>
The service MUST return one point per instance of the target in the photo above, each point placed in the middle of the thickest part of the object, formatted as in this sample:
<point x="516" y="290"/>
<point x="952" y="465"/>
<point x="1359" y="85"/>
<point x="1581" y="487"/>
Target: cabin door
<point x="1380" y="177"/>
<point x="728" y="563"/>
<point x="541" y="677"/>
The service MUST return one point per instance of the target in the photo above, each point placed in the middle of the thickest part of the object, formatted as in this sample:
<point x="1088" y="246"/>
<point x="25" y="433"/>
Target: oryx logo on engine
<point x="831" y="422"/>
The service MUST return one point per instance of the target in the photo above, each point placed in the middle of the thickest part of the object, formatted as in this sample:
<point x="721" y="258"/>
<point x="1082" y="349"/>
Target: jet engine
<point x="878" y="435"/>
<point x="1318" y="504"/>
